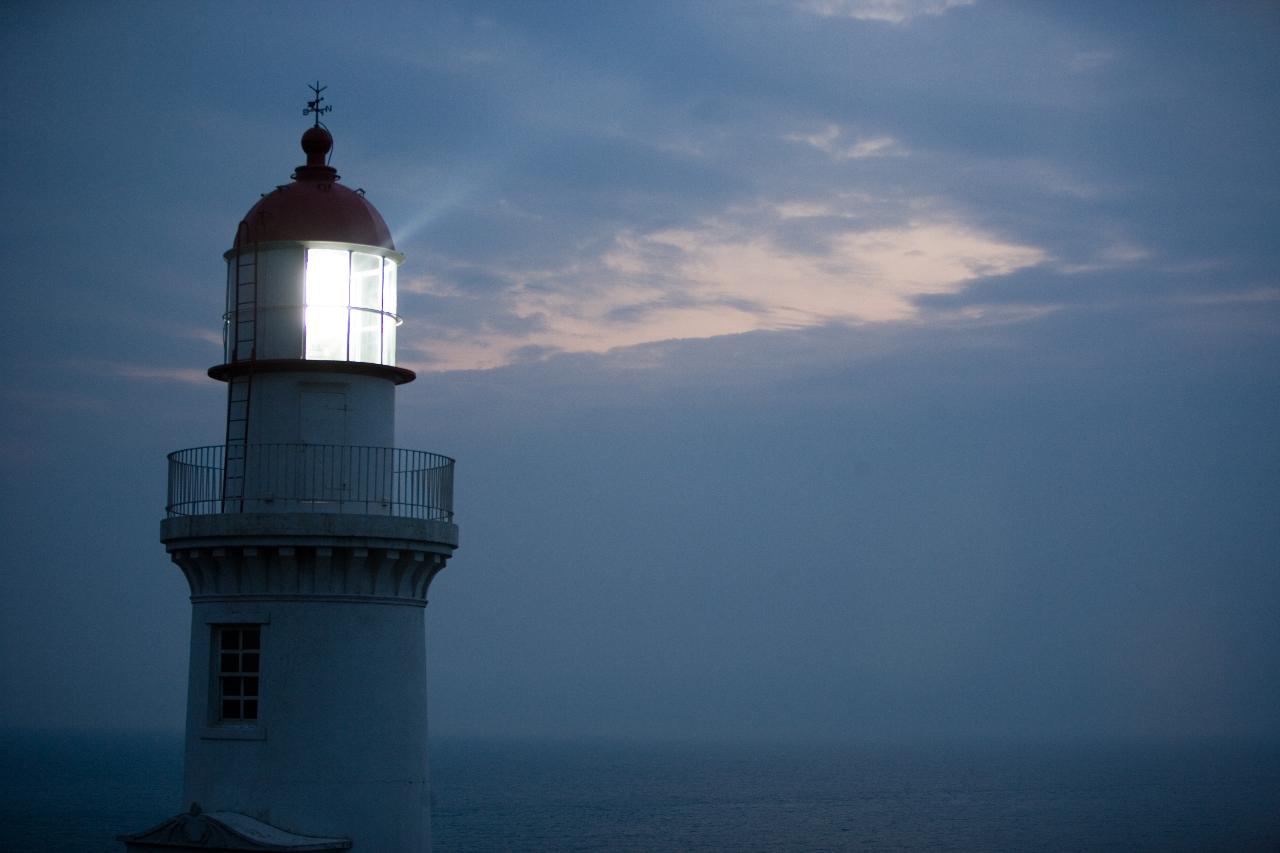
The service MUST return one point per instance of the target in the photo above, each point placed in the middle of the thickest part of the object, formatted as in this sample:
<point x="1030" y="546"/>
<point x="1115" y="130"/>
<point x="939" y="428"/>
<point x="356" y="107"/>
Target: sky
<point x="874" y="369"/>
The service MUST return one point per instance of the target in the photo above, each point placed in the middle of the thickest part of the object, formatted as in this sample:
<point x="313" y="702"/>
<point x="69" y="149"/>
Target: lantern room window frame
<point x="349" y="305"/>
<point x="345" y="297"/>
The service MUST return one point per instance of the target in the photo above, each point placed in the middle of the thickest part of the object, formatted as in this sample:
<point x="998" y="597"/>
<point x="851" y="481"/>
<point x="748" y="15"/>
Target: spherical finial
<point x="317" y="142"/>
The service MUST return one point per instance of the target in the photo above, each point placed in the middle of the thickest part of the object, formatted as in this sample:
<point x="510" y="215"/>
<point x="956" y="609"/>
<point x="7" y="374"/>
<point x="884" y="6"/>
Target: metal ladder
<point x="244" y="333"/>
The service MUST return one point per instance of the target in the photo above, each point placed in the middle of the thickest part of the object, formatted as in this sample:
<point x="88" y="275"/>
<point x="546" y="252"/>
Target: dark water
<point x="75" y="793"/>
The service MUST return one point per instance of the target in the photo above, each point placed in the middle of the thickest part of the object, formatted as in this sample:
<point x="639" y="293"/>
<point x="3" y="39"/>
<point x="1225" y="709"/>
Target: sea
<point x="61" y="792"/>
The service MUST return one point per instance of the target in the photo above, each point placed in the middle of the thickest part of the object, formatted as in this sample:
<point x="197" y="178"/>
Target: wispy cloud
<point x="721" y="277"/>
<point x="831" y="141"/>
<point x="163" y="374"/>
<point x="887" y="11"/>
<point x="203" y="333"/>
<point x="1086" y="61"/>
<point x="1257" y="295"/>
<point x="1118" y="252"/>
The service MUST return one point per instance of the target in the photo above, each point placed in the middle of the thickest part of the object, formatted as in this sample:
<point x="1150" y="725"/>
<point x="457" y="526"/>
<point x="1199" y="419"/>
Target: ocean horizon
<point x="76" y="791"/>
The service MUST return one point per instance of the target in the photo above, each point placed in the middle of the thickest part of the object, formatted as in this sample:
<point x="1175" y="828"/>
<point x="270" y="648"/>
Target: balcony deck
<point x="310" y="478"/>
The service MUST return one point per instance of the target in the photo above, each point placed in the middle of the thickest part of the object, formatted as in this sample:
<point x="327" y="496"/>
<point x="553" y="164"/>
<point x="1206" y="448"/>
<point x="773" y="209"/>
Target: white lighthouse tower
<point x="308" y="541"/>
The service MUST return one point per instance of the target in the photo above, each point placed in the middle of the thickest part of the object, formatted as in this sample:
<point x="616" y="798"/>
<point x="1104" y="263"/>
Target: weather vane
<point x="313" y="106"/>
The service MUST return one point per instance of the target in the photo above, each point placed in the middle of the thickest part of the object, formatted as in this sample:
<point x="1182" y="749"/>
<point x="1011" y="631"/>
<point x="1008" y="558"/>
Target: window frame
<point x="210" y="724"/>
<point x="216" y="727"/>
<point x="356" y="327"/>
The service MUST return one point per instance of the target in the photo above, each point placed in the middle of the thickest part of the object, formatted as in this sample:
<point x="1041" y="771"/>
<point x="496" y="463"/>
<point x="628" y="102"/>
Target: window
<point x="389" y="318"/>
<point x="350" y="306"/>
<point x="239" y="656"/>
<point x="327" y="292"/>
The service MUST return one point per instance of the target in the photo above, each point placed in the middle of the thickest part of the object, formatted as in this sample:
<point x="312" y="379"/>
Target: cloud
<point x="203" y="333"/>
<point x="724" y="276"/>
<point x="829" y="141"/>
<point x="1119" y="252"/>
<point x="887" y="11"/>
<point x="1257" y="295"/>
<point x="186" y="375"/>
<point x="1090" y="60"/>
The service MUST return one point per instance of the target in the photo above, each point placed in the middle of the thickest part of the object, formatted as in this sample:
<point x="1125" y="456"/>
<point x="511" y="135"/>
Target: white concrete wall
<point x="317" y="410"/>
<point x="341" y="744"/>
<point x="322" y="408"/>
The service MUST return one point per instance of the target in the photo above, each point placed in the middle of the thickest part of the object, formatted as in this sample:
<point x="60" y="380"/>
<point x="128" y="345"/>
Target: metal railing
<point x="312" y="478"/>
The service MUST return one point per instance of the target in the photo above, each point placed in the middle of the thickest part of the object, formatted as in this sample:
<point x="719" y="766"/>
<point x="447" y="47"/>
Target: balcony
<point x="310" y="478"/>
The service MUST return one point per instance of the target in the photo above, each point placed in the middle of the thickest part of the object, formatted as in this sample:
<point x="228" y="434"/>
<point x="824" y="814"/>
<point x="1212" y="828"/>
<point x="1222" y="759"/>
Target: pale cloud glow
<point x="719" y="278"/>
<point x="202" y="333"/>
<point x="886" y="11"/>
<point x="1090" y="60"/>
<point x="1124" y="252"/>
<point x="1255" y="295"/>
<point x="1119" y="252"/>
<point x="185" y="375"/>
<point x="831" y="141"/>
<point x="804" y="210"/>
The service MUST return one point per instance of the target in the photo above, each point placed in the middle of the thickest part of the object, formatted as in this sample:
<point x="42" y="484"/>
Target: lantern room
<point x="316" y="300"/>
<point x="311" y="275"/>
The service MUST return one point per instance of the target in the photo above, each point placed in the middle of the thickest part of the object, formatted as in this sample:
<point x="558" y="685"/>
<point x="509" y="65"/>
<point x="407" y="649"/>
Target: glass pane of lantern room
<point x="328" y="272"/>
<point x="389" y="321"/>
<point x="327" y="332"/>
<point x="327" y="289"/>
<point x="389" y="340"/>
<point x="365" y="337"/>
<point x="366" y="280"/>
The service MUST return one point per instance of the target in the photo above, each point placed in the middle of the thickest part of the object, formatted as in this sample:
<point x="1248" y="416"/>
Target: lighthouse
<point x="309" y="541"/>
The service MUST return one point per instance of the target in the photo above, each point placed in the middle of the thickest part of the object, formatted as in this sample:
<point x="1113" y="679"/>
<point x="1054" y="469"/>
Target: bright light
<point x="327" y="290"/>
<point x="328" y="271"/>
<point x="350" y="306"/>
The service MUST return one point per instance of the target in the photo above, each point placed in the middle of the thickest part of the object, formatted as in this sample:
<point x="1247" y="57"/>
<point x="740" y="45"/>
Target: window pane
<point x="237" y="682"/>
<point x="389" y="341"/>
<point x="389" y="279"/>
<point x="366" y="338"/>
<point x="366" y="280"/>
<point x="389" y="285"/>
<point x="327" y="333"/>
<point x="327" y="276"/>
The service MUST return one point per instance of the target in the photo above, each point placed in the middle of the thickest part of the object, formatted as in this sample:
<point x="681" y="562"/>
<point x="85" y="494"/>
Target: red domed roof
<point x="315" y="206"/>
